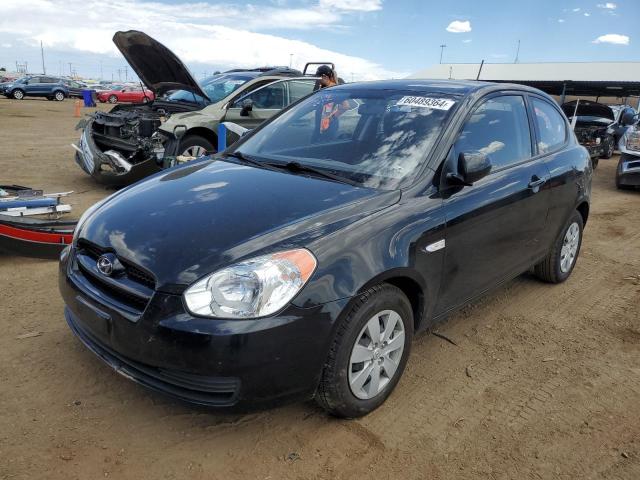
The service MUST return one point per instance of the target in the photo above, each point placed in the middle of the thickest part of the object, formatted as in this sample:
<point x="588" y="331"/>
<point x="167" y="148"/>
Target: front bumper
<point x="628" y="172"/>
<point x="90" y="158"/>
<point x="220" y="363"/>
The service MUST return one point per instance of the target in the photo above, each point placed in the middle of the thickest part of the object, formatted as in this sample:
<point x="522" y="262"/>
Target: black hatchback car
<point x="302" y="261"/>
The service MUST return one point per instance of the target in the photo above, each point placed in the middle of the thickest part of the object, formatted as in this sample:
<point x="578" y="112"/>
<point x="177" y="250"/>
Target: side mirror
<point x="472" y="166"/>
<point x="628" y="119"/>
<point x="123" y="90"/>
<point x="247" y="106"/>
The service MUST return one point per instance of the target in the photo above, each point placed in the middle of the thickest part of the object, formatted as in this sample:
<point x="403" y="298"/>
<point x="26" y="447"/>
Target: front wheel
<point x="113" y="99"/>
<point x="195" y="146"/>
<point x="368" y="354"/>
<point x="17" y="94"/>
<point x="59" y="96"/>
<point x="559" y="263"/>
<point x="609" y="147"/>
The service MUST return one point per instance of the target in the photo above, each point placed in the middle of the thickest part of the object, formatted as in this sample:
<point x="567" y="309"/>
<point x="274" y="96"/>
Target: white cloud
<point x="458" y="26"/>
<point x="352" y="5"/>
<point x="587" y="14"/>
<point x="613" y="38"/>
<point x="576" y="9"/>
<point x="561" y="20"/>
<point x="226" y="35"/>
<point x="468" y="40"/>
<point x="608" y="6"/>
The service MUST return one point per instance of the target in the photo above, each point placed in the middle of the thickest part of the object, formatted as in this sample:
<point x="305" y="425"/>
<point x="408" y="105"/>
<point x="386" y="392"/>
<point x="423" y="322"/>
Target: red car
<point x="127" y="94"/>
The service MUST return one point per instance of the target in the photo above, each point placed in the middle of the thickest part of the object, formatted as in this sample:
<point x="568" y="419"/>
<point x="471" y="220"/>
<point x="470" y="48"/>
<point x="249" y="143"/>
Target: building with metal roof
<point x="596" y="79"/>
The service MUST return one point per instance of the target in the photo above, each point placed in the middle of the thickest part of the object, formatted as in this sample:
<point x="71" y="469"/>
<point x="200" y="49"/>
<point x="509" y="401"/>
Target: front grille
<point x="132" y="270"/>
<point x="129" y="291"/>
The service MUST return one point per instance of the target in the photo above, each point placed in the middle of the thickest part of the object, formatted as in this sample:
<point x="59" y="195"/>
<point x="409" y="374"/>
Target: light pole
<point x="442" y="47"/>
<point x="290" y="59"/>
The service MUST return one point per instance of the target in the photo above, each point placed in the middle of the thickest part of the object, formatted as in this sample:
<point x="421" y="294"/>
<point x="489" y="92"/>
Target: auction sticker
<point x="427" y="102"/>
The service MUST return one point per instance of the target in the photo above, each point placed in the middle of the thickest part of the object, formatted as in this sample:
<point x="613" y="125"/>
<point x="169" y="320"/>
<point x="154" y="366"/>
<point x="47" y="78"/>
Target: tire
<point x="609" y="147"/>
<point x="195" y="146"/>
<point x="17" y="94"/>
<point x="112" y="99"/>
<point x="344" y="393"/>
<point x="553" y="268"/>
<point x="59" y="96"/>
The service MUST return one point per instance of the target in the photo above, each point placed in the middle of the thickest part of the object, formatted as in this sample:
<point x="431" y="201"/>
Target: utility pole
<point x="290" y="59"/>
<point x="126" y="74"/>
<point x="101" y="77"/>
<point x="442" y="47"/>
<point x="44" y="70"/>
<point x="517" y="52"/>
<point x="69" y="68"/>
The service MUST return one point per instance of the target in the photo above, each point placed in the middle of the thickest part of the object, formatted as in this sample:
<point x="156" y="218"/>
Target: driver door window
<point x="499" y="128"/>
<point x="271" y="97"/>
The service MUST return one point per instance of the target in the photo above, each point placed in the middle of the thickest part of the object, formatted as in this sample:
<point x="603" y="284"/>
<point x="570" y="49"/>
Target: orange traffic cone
<point x="76" y="111"/>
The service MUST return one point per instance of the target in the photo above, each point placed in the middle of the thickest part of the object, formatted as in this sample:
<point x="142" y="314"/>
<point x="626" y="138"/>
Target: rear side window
<point x="299" y="89"/>
<point x="552" y="128"/>
<point x="499" y="128"/>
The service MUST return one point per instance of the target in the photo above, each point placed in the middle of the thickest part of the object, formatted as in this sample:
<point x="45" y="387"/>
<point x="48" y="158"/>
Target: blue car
<point x="53" y="88"/>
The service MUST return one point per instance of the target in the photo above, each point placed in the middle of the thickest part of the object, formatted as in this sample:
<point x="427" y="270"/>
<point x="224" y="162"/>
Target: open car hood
<point x="587" y="108"/>
<point x="157" y="66"/>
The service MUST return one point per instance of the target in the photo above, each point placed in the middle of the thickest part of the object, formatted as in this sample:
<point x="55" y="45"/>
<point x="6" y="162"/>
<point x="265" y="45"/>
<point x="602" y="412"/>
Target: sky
<point x="366" y="39"/>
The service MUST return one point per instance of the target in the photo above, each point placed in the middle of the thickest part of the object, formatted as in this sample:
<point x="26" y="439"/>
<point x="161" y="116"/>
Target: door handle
<point x="536" y="182"/>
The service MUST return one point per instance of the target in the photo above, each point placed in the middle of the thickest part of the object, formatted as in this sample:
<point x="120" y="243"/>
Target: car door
<point x="34" y="86"/>
<point x="494" y="227"/>
<point x="266" y="102"/>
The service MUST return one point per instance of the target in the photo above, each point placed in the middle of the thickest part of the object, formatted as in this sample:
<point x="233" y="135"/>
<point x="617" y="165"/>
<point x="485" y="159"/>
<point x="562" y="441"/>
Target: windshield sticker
<point x="426" y="102"/>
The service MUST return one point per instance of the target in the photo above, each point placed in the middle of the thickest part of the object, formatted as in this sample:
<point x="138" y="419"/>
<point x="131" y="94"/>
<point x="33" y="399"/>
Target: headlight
<point x="633" y="140"/>
<point x="253" y="288"/>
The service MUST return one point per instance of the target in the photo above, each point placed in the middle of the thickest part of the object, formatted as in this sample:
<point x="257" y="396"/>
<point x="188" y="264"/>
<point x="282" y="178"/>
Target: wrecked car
<point x="628" y="170"/>
<point x="300" y="261"/>
<point x="595" y="127"/>
<point x="130" y="142"/>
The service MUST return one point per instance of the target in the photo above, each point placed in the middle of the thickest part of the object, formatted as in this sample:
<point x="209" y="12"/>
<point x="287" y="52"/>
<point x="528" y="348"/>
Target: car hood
<point x="588" y="109"/>
<point x="156" y="66"/>
<point x="193" y="220"/>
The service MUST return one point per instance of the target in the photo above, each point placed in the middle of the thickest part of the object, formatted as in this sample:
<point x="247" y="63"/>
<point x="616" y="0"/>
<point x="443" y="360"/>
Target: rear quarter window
<point x="552" y="128"/>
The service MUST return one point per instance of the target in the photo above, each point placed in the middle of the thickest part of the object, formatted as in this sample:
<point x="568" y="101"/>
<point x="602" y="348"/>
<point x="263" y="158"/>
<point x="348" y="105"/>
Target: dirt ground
<point x="544" y="382"/>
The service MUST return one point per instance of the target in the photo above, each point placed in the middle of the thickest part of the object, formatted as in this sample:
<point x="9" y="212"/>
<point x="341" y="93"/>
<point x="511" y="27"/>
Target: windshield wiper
<point x="299" y="167"/>
<point x="248" y="160"/>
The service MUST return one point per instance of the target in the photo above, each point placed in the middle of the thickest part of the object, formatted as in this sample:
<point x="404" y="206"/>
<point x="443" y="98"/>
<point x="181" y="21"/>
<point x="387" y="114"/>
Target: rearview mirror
<point x="247" y="106"/>
<point x="627" y="119"/>
<point x="472" y="166"/>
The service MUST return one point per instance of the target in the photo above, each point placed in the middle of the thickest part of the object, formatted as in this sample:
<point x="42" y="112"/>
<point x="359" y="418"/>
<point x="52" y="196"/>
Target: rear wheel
<point x="196" y="146"/>
<point x="113" y="99"/>
<point x="17" y="94"/>
<point x="559" y="263"/>
<point x="368" y="353"/>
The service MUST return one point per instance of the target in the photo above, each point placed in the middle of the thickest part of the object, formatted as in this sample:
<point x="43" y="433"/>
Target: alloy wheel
<point x="59" y="96"/>
<point x="569" y="247"/>
<point x="18" y="95"/>
<point x="194" y="151"/>
<point x="376" y="354"/>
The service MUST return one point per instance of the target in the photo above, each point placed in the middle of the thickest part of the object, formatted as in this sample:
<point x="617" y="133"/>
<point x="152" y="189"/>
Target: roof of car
<point x="452" y="87"/>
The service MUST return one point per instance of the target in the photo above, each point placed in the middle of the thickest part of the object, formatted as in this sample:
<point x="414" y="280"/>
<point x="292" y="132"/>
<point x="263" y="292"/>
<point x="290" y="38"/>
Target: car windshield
<point x="219" y="86"/>
<point x="376" y="138"/>
<point x="185" y="96"/>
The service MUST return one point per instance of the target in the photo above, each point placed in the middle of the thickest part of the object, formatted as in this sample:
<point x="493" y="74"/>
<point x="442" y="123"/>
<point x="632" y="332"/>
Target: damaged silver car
<point x="133" y="141"/>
